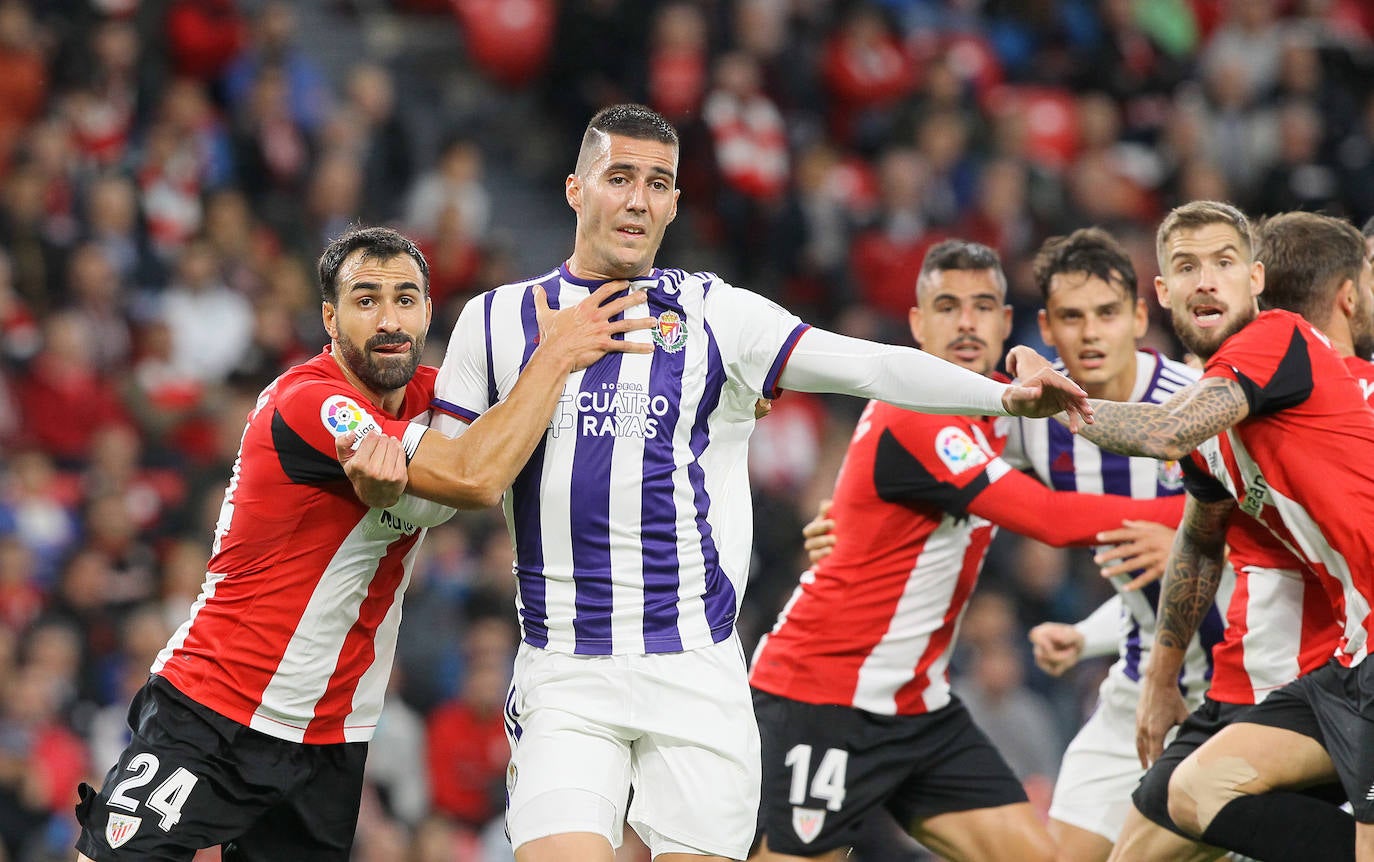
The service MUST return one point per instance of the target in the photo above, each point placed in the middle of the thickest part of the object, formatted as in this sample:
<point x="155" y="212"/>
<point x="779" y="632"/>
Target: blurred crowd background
<point x="169" y="170"/>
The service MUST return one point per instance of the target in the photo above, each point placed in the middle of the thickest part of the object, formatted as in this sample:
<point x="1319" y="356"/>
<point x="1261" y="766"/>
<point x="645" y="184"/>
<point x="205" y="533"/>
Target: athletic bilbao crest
<point x="671" y="332"/>
<point x="120" y="828"/>
<point x="807" y="823"/>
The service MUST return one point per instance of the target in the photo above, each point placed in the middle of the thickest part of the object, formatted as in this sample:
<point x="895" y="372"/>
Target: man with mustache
<point x="252" y="731"/>
<point x="1277" y="428"/>
<point x="851" y="687"/>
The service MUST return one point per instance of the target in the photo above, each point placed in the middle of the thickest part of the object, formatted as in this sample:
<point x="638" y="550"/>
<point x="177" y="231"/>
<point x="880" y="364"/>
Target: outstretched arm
<point x="826" y="362"/>
<point x="1189" y="589"/>
<point x="1167" y="431"/>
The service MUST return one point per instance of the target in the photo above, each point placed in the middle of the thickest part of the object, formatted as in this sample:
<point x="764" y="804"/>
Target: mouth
<point x="631" y="230"/>
<point x="1207" y="314"/>
<point x="966" y="350"/>
<point x="392" y="348"/>
<point x="1092" y="359"/>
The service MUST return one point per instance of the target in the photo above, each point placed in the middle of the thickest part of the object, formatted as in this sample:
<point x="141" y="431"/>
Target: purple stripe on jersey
<point x="1132" y="652"/>
<point x="529" y="546"/>
<point x="1063" y="473"/>
<point x="720" y="592"/>
<point x="1116" y="473"/>
<point x="658" y="518"/>
<point x="492" y="393"/>
<point x="770" y="382"/>
<point x="590" y="513"/>
<point x="454" y="410"/>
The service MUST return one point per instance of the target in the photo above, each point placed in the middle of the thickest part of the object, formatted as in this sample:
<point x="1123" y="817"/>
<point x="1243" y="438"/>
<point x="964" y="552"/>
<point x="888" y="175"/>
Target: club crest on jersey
<point x="807" y="823"/>
<point x="1170" y="475"/>
<point x="120" y="828"/>
<point x="671" y="332"/>
<point x="342" y="414"/>
<point x="958" y="451"/>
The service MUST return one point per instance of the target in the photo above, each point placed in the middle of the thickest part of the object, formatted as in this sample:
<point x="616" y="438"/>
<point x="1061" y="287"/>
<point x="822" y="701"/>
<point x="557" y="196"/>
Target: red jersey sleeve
<point x="934" y="460"/>
<point x="307" y="417"/>
<point x="1269" y="358"/>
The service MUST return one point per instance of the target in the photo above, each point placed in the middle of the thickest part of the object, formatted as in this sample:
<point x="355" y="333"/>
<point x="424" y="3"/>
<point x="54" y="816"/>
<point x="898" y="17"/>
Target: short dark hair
<point x="1368" y="229"/>
<point x="378" y="243"/>
<point x="628" y="120"/>
<point x="1307" y="257"/>
<point x="963" y="255"/>
<point x="1091" y="251"/>
<point x="1199" y="214"/>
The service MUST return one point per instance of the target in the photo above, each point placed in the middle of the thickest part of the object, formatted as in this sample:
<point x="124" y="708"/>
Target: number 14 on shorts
<point x="166" y="800"/>
<point x="827" y="785"/>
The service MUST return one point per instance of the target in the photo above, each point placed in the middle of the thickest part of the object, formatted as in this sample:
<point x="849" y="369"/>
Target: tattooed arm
<point x="1189" y="588"/>
<point x="1170" y="430"/>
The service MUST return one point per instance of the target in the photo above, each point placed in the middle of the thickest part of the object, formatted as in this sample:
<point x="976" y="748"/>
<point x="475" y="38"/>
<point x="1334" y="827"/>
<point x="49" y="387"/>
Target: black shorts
<point x="1335" y="706"/>
<point x="191" y="778"/>
<point x="825" y="768"/>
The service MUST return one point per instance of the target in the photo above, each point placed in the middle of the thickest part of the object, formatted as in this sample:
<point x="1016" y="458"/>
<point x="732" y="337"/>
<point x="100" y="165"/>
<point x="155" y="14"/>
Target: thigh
<point x="695" y="763"/>
<point x="570" y="754"/>
<point x="826" y="768"/>
<point x="178" y="786"/>
<point x="988" y="835"/>
<point x="317" y="819"/>
<point x="1099" y="770"/>
<point x="954" y="767"/>
<point x="1151" y="797"/>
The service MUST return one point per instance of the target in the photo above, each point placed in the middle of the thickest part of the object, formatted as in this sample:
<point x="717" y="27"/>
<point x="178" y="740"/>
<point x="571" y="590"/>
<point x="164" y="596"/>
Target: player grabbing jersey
<point x="1279" y="625"/>
<point x="253" y="729"/>
<point x="632" y="521"/>
<point x="851" y="687"/>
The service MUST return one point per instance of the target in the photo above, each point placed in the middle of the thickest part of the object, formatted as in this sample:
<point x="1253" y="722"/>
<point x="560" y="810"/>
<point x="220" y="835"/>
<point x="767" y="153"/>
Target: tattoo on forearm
<point x="1194" y="571"/>
<point x="1173" y="428"/>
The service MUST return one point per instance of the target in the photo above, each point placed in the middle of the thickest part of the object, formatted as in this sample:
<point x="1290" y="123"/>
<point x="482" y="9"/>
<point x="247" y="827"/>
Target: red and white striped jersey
<point x="295" y="627"/>
<point x="1295" y="462"/>
<point x="915" y="506"/>
<point x="1279" y="625"/>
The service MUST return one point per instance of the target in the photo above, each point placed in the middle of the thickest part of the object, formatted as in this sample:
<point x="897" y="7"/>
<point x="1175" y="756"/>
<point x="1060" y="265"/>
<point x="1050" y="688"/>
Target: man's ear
<point x="572" y="191"/>
<point x="329" y="315"/>
<point x="1347" y="297"/>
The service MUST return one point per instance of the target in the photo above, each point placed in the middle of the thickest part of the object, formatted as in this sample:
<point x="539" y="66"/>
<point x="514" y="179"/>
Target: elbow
<point x="1173" y="450"/>
<point x="476" y="494"/>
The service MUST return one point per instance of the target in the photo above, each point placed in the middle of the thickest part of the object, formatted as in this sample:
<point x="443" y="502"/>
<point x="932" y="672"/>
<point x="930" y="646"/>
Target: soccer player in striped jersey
<point x="631" y="521"/>
<point x="252" y="731"/>
<point x="1280" y="625"/>
<point x="1093" y="317"/>
<point x="854" y="706"/>
<point x="1278" y="428"/>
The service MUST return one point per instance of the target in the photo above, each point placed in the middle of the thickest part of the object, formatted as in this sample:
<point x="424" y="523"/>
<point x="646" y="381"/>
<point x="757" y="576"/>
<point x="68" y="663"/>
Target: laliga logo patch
<point x="671" y="332"/>
<point x="807" y="823"/>
<point x="958" y="451"/>
<point x="1170" y="475"/>
<point x="342" y="414"/>
<point x="120" y="828"/>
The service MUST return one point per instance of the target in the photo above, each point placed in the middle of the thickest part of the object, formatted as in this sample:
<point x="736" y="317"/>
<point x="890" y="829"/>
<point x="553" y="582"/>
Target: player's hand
<point x="762" y="407"/>
<point x="820" y="534"/>
<point x="1136" y="545"/>
<point x="1161" y="707"/>
<point x="584" y="332"/>
<point x="376" y="466"/>
<point x="1056" y="646"/>
<point x="1040" y="391"/>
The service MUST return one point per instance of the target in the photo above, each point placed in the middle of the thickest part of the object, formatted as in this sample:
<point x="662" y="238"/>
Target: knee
<point x="1197" y="790"/>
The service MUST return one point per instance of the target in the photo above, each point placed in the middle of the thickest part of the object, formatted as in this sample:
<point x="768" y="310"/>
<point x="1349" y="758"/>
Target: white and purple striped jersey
<point x="632" y="521"/>
<point x="1069" y="462"/>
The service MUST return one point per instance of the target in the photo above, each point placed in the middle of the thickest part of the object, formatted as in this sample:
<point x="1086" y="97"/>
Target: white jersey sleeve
<point x="754" y="334"/>
<point x="1101" y="628"/>
<point x="464" y="390"/>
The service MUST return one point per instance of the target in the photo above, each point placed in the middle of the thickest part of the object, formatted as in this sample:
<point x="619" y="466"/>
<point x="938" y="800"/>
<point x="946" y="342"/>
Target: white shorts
<point x="1099" y="771"/>
<point x="677" y="727"/>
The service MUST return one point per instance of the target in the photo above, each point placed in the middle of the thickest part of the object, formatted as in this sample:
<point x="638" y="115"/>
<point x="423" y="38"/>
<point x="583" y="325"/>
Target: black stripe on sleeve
<point x="301" y="462"/>
<point x="1201" y="484"/>
<point x="900" y="477"/>
<point x="1291" y="384"/>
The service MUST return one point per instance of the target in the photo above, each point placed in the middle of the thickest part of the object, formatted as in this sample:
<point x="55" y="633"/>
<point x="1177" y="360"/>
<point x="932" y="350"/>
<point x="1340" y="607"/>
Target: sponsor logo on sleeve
<point x="958" y="451"/>
<point x="341" y="414"/>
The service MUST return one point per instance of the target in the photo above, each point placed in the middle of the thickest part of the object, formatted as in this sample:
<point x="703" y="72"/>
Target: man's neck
<point x="1119" y="388"/>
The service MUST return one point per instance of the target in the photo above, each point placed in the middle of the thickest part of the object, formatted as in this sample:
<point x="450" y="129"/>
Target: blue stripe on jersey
<point x="770" y="383"/>
<point x="492" y="393"/>
<point x="1063" y="471"/>
<point x="659" y="534"/>
<point x="720" y="592"/>
<point x="1133" y="645"/>
<point x="454" y="410"/>
<point x="529" y="561"/>
<point x="590" y="517"/>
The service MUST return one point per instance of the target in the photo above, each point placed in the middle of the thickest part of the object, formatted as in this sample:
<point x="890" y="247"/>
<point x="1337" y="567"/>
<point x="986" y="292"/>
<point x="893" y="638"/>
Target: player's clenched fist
<point x="376" y="465"/>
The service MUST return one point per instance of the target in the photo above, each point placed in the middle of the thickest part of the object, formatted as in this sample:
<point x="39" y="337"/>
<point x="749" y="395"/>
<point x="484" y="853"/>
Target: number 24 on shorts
<point x="166" y="799"/>
<point x="828" y="783"/>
